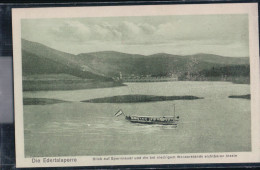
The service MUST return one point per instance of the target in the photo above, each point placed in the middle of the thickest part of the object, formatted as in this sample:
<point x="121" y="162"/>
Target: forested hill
<point x="106" y="65"/>
<point x="190" y="67"/>
<point x="40" y="59"/>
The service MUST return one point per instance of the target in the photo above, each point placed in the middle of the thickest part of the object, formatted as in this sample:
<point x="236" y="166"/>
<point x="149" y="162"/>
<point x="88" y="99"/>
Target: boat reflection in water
<point x="161" y="120"/>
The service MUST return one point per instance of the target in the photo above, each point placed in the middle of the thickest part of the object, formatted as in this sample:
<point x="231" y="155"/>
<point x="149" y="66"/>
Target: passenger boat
<point x="162" y="120"/>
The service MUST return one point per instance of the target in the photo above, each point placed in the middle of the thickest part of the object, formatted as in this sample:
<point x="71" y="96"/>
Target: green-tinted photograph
<point x="136" y="85"/>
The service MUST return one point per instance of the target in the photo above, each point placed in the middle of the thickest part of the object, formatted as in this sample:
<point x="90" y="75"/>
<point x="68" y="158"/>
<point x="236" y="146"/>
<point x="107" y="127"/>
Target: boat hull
<point x="152" y="120"/>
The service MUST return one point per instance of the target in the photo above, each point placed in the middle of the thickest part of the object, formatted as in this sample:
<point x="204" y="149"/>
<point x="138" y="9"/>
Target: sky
<point x="225" y="35"/>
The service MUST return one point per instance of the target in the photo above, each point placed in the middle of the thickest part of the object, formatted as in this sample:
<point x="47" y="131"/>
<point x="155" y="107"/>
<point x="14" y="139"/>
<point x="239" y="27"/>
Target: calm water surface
<point x="213" y="124"/>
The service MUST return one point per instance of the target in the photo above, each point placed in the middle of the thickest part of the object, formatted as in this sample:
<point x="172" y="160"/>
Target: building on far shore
<point x="148" y="78"/>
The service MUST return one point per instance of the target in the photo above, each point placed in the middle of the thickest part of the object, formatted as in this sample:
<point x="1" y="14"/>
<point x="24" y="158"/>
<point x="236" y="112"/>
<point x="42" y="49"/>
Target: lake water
<point x="213" y="124"/>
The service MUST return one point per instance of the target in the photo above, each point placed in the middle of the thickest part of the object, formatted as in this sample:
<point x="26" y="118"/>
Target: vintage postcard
<point x="126" y="85"/>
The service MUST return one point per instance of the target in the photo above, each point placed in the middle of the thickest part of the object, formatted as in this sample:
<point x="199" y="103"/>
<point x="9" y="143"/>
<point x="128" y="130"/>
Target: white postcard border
<point x="150" y="10"/>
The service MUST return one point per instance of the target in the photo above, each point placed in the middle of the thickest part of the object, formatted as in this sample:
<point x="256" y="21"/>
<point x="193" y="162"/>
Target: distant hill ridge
<point x="111" y="63"/>
<point x="40" y="59"/>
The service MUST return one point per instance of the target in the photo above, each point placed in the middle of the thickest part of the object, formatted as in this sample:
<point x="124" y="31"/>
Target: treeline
<point x="237" y="70"/>
<point x="234" y="73"/>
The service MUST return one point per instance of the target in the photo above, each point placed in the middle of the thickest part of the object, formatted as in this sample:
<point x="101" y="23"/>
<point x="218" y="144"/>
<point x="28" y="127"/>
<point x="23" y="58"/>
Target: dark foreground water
<point x="213" y="124"/>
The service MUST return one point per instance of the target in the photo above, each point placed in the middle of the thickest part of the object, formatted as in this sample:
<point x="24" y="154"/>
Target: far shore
<point x="139" y="99"/>
<point x="123" y="99"/>
<point x="247" y="96"/>
<point x="59" y="85"/>
<point x="41" y="101"/>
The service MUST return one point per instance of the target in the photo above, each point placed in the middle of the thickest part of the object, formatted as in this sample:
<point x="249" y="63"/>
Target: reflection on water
<point x="213" y="124"/>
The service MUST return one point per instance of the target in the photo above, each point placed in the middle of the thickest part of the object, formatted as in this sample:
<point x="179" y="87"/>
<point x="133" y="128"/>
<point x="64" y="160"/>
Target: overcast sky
<point x="225" y="35"/>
